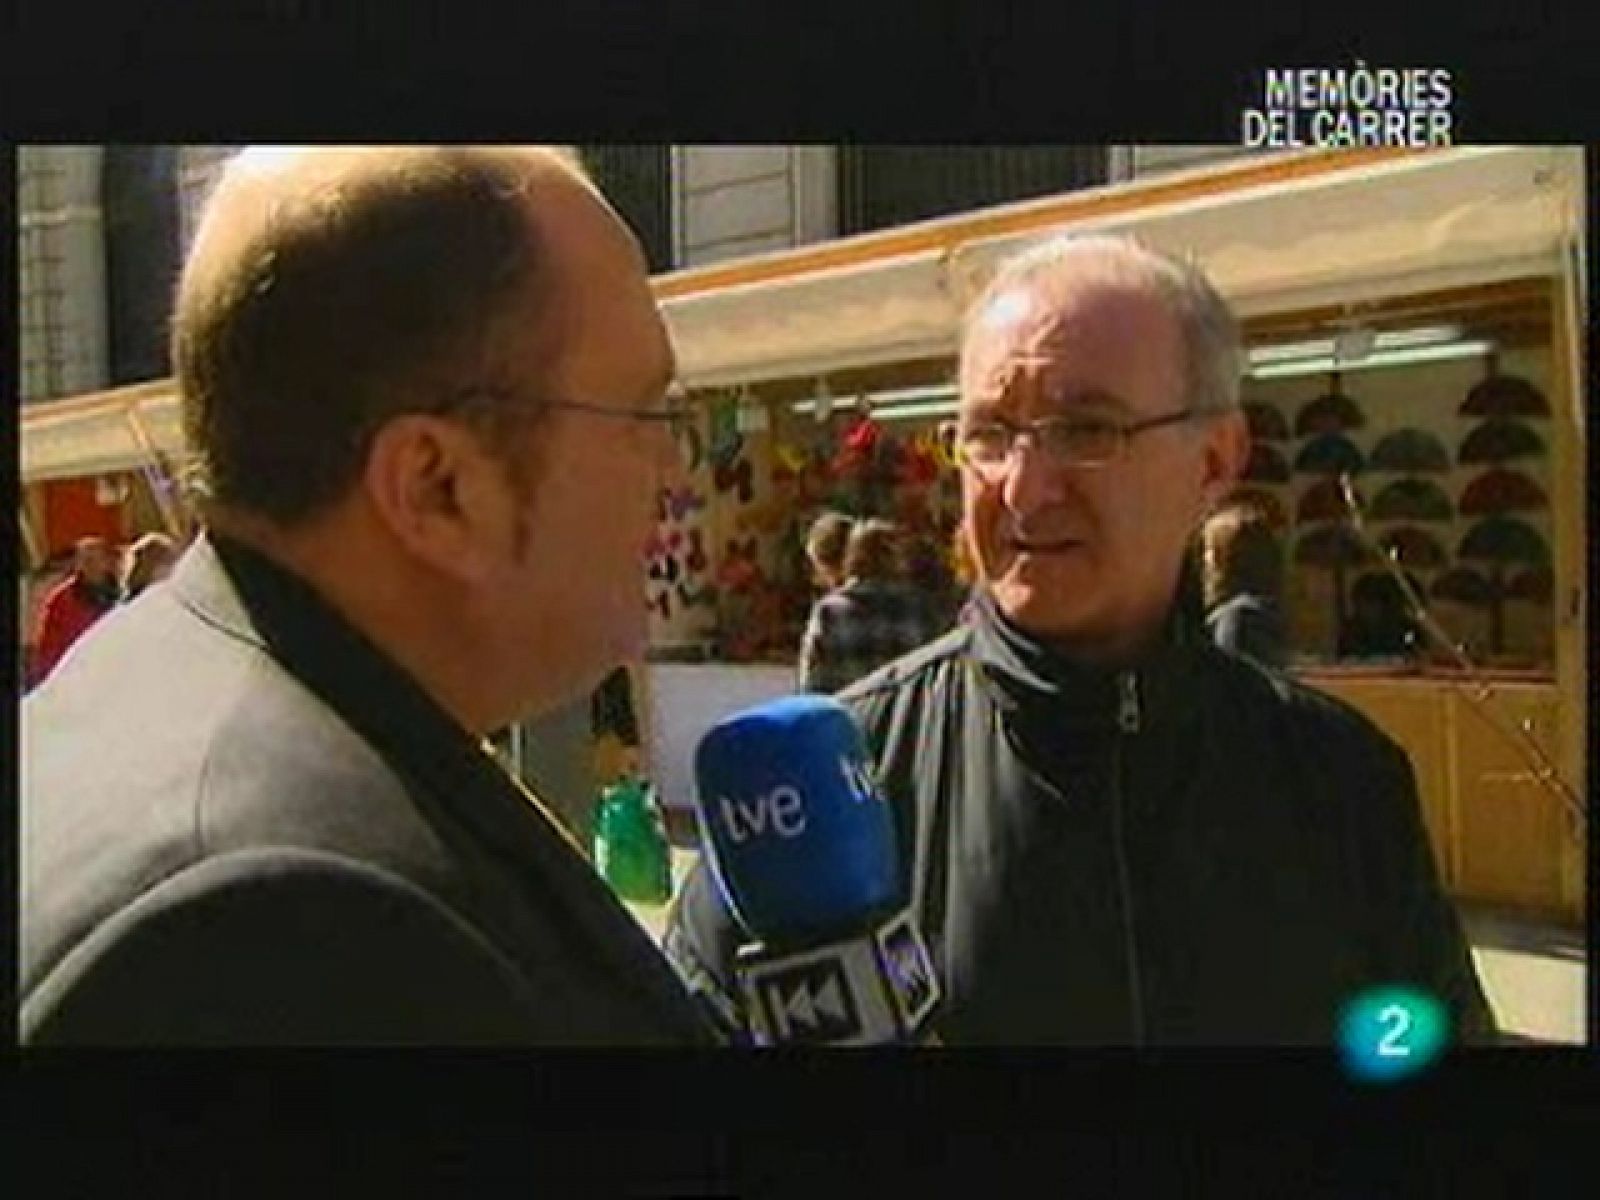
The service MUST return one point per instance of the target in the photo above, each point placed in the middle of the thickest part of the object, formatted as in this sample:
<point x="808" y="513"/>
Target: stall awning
<point x="1339" y="235"/>
<point x="1277" y="236"/>
<point x="100" y="432"/>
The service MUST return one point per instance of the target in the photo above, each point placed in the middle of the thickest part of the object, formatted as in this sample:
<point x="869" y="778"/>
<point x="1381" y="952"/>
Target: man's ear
<point x="440" y="493"/>
<point x="1227" y="450"/>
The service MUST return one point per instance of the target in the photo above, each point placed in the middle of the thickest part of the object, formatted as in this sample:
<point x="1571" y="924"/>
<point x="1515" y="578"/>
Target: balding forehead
<point x="291" y="164"/>
<point x="1033" y="313"/>
<point x="265" y="183"/>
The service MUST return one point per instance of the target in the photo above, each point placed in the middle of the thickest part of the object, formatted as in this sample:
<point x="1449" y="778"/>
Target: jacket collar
<point x="1036" y="685"/>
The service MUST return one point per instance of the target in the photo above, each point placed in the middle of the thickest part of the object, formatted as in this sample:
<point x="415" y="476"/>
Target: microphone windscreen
<point x="800" y="838"/>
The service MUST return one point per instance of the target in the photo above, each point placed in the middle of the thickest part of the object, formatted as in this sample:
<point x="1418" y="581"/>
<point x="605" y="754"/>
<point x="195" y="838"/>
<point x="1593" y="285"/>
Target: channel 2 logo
<point x="1390" y="1033"/>
<point x="908" y="971"/>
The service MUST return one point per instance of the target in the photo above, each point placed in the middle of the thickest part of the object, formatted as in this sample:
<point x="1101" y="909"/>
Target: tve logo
<point x="783" y="808"/>
<point x="858" y="779"/>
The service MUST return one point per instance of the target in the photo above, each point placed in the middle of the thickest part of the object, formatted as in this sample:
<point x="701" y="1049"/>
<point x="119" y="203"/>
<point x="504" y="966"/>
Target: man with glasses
<point x="428" y="388"/>
<point x="1112" y="832"/>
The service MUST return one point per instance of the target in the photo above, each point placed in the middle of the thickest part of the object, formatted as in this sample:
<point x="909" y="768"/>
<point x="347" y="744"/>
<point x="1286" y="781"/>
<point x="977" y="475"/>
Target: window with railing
<point x="884" y="186"/>
<point x="637" y="180"/>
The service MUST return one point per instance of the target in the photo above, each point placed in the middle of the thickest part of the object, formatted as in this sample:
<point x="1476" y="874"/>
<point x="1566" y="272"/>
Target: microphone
<point x="802" y="848"/>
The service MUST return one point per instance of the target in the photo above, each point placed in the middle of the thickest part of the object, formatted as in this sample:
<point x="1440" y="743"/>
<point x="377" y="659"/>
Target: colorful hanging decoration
<point x="788" y="461"/>
<point x="693" y="443"/>
<point x="726" y="439"/>
<point x="736" y="476"/>
<point x="1329" y="454"/>
<point x="696" y="561"/>
<point x="919" y="462"/>
<point x="1323" y="501"/>
<point x="1498" y="440"/>
<point x="1412" y="500"/>
<point x="1266" y="465"/>
<point x="689" y="597"/>
<point x="1504" y="396"/>
<point x="767" y="517"/>
<point x="679" y="503"/>
<point x="1500" y="491"/>
<point x="1411" y="450"/>
<point x="1414" y="548"/>
<point x="751" y="606"/>
<point x="1266" y="423"/>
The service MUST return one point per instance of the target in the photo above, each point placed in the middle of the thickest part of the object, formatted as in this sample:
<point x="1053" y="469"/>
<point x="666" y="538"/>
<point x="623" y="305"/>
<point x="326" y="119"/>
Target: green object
<point x="630" y="843"/>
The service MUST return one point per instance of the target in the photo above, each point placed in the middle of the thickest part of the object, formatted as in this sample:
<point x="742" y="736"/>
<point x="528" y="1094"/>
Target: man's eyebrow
<point x="1064" y="401"/>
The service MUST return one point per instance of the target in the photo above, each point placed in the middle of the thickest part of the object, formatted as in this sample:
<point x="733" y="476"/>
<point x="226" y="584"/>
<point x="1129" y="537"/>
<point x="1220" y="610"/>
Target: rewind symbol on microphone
<point x="811" y="1003"/>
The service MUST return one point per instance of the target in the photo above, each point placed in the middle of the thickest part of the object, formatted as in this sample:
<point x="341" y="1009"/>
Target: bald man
<point x="429" y="391"/>
<point x="74" y="605"/>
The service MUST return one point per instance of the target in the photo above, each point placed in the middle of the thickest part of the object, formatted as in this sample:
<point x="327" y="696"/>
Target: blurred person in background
<point x="825" y="546"/>
<point x="69" y="610"/>
<point x="1242" y="569"/>
<point x="873" y="616"/>
<point x="929" y="574"/>
<point x="149" y="560"/>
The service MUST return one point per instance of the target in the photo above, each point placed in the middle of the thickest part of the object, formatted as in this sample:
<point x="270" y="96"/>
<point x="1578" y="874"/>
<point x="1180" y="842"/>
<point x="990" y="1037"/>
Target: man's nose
<point x="1030" y="480"/>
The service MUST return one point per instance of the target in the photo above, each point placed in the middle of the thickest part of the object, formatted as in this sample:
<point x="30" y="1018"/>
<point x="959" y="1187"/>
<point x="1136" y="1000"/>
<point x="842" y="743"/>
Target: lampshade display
<point x="1500" y="491"/>
<point x="1323" y="501"/>
<point x="1504" y="540"/>
<point x="1500" y="439"/>
<point x="1415" y="548"/>
<point x="1266" y="423"/>
<point x="1263" y="502"/>
<point x="1410" y="450"/>
<point x="1266" y="465"/>
<point x="1412" y="500"/>
<point x="1331" y="546"/>
<point x="1504" y="396"/>
<point x="1331" y="413"/>
<point x="1329" y="454"/>
<point x="1465" y="586"/>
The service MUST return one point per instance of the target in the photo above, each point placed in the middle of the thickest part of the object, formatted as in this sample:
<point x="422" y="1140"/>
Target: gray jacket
<point x="213" y="853"/>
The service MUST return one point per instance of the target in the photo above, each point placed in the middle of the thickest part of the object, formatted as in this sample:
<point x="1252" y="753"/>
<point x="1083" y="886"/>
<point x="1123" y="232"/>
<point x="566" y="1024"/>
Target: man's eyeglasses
<point x="674" y="412"/>
<point x="987" y="446"/>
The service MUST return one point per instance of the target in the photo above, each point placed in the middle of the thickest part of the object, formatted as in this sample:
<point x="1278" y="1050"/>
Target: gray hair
<point x="1213" y="349"/>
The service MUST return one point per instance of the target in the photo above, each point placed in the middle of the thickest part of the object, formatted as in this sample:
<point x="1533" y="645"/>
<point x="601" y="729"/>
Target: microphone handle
<point x="872" y="988"/>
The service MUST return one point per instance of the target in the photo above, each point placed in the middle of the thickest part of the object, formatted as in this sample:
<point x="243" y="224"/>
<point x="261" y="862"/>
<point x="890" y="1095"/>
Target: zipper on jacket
<point x="1128" y="702"/>
<point x="1128" y="720"/>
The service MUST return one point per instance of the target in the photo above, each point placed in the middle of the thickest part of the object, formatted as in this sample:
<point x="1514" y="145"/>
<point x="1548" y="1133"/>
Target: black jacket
<point x="1196" y="851"/>
<point x="244" y="825"/>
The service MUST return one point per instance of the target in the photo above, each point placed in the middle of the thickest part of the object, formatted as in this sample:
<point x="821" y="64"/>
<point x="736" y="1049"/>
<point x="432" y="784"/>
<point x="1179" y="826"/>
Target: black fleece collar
<point x="1038" y="686"/>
